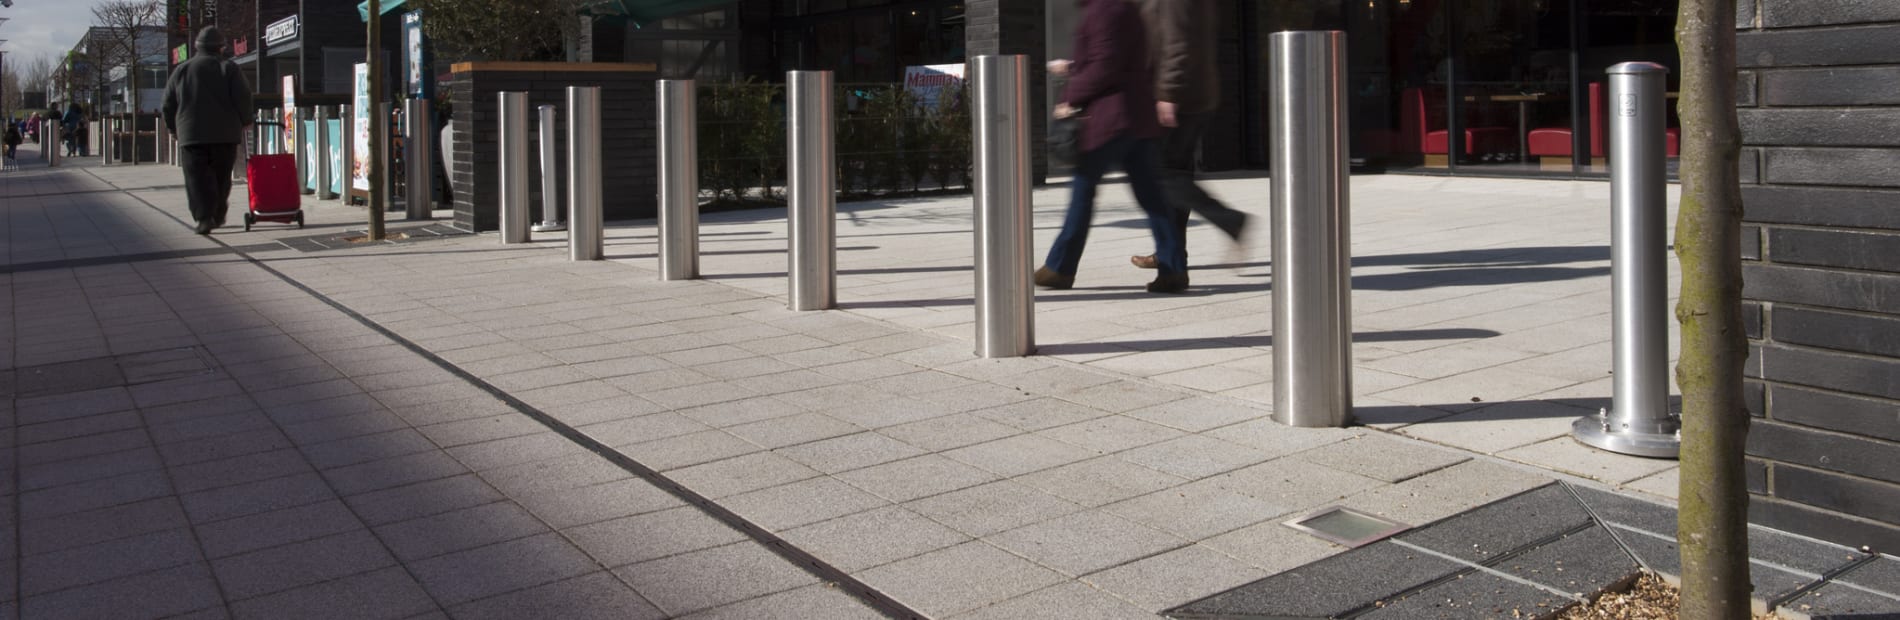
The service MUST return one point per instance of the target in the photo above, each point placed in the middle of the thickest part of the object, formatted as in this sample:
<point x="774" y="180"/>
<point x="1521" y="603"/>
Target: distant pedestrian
<point x="13" y="141"/>
<point x="1184" y="38"/>
<point x="1111" y="90"/>
<point x="207" y="107"/>
<point x="73" y="130"/>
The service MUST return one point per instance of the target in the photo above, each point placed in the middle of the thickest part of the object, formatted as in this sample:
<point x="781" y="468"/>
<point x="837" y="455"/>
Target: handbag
<point x="1065" y="140"/>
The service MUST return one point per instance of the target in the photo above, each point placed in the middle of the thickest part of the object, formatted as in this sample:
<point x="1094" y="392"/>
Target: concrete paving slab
<point x="873" y="538"/>
<point x="1085" y="542"/>
<point x="1583" y="564"/>
<point x="1484" y="534"/>
<point x="1472" y="596"/>
<point x="819" y="601"/>
<point x="979" y="575"/>
<point x="713" y="577"/>
<point x="1329" y="587"/>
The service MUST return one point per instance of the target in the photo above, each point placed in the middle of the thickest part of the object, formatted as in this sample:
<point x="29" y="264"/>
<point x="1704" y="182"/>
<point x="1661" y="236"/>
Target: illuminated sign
<point x="281" y="30"/>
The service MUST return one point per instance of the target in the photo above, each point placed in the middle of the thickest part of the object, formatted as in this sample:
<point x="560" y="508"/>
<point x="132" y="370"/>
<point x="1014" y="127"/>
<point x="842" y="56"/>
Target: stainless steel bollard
<point x="305" y="161"/>
<point x="348" y="134"/>
<point x="551" y="220"/>
<point x="1005" y="297"/>
<point x="514" y="167"/>
<point x="1312" y="270"/>
<point x="679" y="181"/>
<point x="380" y="123"/>
<point x="1639" y="421"/>
<point x="54" y="146"/>
<point x="811" y="171"/>
<point x="419" y="154"/>
<point x="584" y="236"/>
<point x="324" y="171"/>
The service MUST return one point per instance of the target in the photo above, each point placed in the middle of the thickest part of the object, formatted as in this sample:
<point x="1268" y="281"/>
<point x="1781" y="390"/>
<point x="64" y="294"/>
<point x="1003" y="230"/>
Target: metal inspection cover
<point x="1346" y="526"/>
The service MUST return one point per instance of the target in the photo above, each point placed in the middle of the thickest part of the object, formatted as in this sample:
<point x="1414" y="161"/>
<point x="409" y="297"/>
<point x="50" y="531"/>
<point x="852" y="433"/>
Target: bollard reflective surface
<point x="584" y="237"/>
<point x="323" y="154"/>
<point x="1312" y="286"/>
<point x="56" y="149"/>
<point x="1639" y="421"/>
<point x="513" y="132"/>
<point x="679" y="181"/>
<point x="811" y="171"/>
<point x="419" y="155"/>
<point x="551" y="209"/>
<point x="1005" y="296"/>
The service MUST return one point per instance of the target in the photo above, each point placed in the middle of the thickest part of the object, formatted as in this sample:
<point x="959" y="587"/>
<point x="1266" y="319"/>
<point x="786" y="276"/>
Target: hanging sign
<point x="414" y="61"/>
<point x="281" y="30"/>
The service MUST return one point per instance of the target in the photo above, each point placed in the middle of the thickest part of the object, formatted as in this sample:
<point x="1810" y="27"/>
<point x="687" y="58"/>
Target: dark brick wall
<point x="1819" y="84"/>
<point x="1016" y="27"/>
<point x="628" y="158"/>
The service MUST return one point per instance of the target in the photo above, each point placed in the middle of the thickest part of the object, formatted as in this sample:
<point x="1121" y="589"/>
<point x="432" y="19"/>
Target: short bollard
<point x="584" y="236"/>
<point x="551" y="209"/>
<point x="514" y="166"/>
<point x="811" y="173"/>
<point x="679" y="182"/>
<point x="1639" y="421"/>
<point x="1005" y="297"/>
<point x="1312" y="272"/>
<point x="419" y="155"/>
<point x="52" y="148"/>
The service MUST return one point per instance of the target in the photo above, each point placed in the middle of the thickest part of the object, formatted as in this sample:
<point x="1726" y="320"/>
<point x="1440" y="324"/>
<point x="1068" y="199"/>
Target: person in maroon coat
<point x="1111" y="88"/>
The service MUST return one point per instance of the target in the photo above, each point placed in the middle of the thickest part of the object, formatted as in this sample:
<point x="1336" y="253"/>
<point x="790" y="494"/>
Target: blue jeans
<point x="1141" y="159"/>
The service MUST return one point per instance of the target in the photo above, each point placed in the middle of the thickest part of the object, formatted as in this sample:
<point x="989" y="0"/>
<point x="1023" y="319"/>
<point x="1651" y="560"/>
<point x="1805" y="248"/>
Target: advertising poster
<point x="290" y="114"/>
<point x="309" y="131"/>
<point x="335" y="129"/>
<point x="413" y="63"/>
<point x="359" y="143"/>
<point x="928" y="82"/>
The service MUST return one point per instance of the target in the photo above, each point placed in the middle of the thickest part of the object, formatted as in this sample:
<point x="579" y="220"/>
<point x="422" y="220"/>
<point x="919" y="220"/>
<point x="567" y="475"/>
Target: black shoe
<point x="1169" y="283"/>
<point x="1048" y="278"/>
<point x="203" y="227"/>
<point x="217" y="223"/>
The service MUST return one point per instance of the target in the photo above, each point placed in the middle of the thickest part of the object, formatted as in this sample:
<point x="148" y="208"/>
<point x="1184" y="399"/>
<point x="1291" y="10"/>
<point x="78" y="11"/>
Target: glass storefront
<point x="1511" y="87"/>
<point x="867" y="40"/>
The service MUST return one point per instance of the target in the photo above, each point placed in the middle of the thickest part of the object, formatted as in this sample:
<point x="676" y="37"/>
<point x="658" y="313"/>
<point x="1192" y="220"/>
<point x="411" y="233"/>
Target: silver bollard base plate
<point x="548" y="227"/>
<point x="1595" y="430"/>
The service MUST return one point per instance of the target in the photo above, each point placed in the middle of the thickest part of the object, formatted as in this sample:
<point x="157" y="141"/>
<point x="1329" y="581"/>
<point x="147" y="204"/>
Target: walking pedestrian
<point x="74" y="130"/>
<point x="207" y="108"/>
<point x="1111" y="90"/>
<point x="1183" y="35"/>
<point x="12" y="140"/>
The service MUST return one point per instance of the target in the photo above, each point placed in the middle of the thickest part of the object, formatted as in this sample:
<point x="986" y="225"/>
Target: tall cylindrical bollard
<point x="1005" y="298"/>
<point x="679" y="181"/>
<point x="1638" y="421"/>
<point x="1312" y="272"/>
<point x="811" y="171"/>
<point x="585" y="240"/>
<point x="419" y="155"/>
<point x="324" y="171"/>
<point x="514" y="167"/>
<point x="306" y="160"/>
<point x="347" y="116"/>
<point x="386" y="171"/>
<point x="53" y="148"/>
<point x="551" y="209"/>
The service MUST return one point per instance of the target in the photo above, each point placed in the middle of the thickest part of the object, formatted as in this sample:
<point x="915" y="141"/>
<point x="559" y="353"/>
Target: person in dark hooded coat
<point x="208" y="107"/>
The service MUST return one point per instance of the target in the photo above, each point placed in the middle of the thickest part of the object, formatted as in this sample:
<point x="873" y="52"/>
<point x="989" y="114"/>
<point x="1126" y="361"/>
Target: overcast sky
<point x="49" y="27"/>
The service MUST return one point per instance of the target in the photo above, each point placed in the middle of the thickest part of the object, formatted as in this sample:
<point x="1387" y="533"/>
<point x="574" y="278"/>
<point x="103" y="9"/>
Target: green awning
<point x="362" y="10"/>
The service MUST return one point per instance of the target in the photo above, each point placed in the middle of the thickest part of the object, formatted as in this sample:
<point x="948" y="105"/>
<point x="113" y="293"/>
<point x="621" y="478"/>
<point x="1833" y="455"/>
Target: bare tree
<point x="1713" y="517"/>
<point x="129" y="24"/>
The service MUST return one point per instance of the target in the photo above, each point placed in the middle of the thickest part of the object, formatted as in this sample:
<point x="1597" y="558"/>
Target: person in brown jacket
<point x="1111" y="88"/>
<point x="1182" y="37"/>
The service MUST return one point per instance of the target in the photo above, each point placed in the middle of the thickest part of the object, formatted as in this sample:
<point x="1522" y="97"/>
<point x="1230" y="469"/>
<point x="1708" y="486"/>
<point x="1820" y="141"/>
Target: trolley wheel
<point x="299" y="220"/>
<point x="249" y="219"/>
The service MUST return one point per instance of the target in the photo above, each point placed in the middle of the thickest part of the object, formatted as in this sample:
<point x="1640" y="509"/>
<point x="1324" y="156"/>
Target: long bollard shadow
<point x="849" y="248"/>
<point x="1241" y="342"/>
<point x="1486" y="411"/>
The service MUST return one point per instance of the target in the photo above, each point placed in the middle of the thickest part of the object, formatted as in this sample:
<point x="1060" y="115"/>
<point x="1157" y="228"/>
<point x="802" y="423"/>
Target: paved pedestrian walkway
<point x="246" y="424"/>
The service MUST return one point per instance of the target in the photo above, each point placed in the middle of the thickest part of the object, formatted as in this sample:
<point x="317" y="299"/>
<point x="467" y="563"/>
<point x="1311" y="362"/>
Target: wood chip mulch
<point x="1649" y="599"/>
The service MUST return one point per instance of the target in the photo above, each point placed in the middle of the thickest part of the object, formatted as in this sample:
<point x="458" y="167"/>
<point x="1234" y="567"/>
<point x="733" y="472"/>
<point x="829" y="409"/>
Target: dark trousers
<point x="208" y="179"/>
<point x="1177" y="179"/>
<point x="1139" y="159"/>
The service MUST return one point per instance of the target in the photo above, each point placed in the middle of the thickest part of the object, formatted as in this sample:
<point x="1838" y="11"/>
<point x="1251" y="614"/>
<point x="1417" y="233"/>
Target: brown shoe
<point x="1048" y="278"/>
<point x="1144" y="262"/>
<point x="1169" y="283"/>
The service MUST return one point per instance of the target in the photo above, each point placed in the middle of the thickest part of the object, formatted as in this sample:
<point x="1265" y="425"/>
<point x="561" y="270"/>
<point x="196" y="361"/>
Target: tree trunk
<point x="1713" y="517"/>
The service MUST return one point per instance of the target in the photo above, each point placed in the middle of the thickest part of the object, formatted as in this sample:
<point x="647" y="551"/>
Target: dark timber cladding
<point x="1016" y="27"/>
<point x="628" y="160"/>
<point x="1821" y="249"/>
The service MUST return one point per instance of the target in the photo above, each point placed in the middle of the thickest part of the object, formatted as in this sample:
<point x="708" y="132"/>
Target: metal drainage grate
<point x="1346" y="526"/>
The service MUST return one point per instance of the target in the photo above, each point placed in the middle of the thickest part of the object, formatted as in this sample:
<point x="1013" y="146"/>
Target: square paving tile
<point x="800" y="503"/>
<point x="497" y="569"/>
<point x="1294" y="482"/>
<point x="1500" y="427"/>
<point x="949" y="432"/>
<point x="105" y="561"/>
<point x="386" y="593"/>
<point x="1195" y="456"/>
<point x="712" y="577"/>
<point x="1070" y="600"/>
<point x="301" y="564"/>
<point x="1100" y="480"/>
<point x="1111" y="434"/>
<point x="643" y="537"/>
<point x="1174" y="577"/>
<point x="468" y="528"/>
<point x="1505" y="526"/>
<point x="1041" y="413"/>
<point x="689" y="449"/>
<point x="872" y="538"/>
<point x="596" y="596"/>
<point x="1329" y="587"/>
<point x="923" y="476"/>
<point x="792" y="430"/>
<point x="1085" y="542"/>
<point x="741" y="474"/>
<point x="819" y="601"/>
<point x="961" y="578"/>
<point x="992" y="508"/>
<point x="1272" y="546"/>
<point x="1475" y="595"/>
<point x="164" y="592"/>
<point x="1383" y="458"/>
<point x="1567" y="455"/>
<point x="1020" y="454"/>
<point x="859" y="450"/>
<point x="1196" y="511"/>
